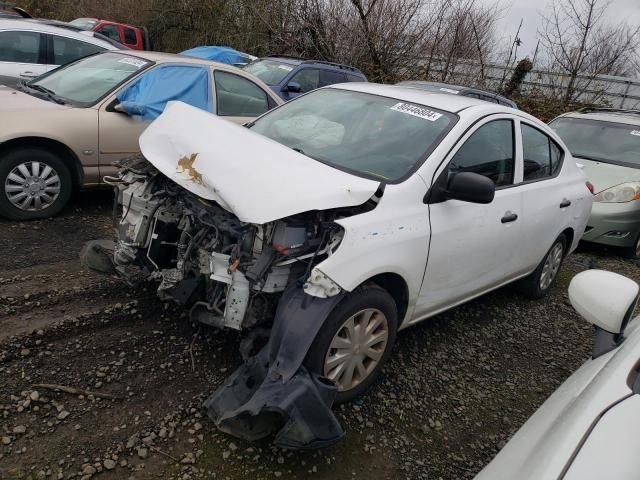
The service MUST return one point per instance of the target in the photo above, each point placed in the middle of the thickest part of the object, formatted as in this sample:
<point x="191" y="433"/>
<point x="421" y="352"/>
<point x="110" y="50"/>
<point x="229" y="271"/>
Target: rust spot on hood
<point x="185" y="165"/>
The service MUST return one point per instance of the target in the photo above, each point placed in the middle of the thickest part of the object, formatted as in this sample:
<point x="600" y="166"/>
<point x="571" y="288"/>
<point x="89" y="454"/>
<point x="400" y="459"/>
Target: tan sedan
<point x="64" y="129"/>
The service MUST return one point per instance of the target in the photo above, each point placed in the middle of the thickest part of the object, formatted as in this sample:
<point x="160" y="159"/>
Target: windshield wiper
<point x="50" y="94"/>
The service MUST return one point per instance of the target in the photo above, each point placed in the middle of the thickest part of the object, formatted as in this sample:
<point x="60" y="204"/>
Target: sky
<point x="514" y="10"/>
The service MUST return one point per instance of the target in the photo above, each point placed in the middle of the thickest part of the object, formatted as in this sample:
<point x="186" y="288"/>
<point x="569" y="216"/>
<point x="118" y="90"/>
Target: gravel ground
<point x="455" y="390"/>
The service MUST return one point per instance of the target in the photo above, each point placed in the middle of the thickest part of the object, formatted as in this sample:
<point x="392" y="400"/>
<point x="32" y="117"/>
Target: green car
<point x="607" y="142"/>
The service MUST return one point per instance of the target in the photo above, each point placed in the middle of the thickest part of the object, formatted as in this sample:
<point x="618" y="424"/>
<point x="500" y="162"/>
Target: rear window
<point x="270" y="72"/>
<point x="602" y="141"/>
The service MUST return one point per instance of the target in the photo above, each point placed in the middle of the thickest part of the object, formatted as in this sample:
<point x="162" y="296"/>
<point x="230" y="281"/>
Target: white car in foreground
<point x="589" y="428"/>
<point x="395" y="203"/>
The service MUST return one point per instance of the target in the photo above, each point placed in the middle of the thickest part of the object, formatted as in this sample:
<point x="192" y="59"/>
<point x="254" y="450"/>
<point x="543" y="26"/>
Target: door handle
<point x="509" y="217"/>
<point x="565" y="203"/>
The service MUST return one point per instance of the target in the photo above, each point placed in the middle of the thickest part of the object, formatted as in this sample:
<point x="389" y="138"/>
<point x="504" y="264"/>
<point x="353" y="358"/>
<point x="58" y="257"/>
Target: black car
<point x="458" y="90"/>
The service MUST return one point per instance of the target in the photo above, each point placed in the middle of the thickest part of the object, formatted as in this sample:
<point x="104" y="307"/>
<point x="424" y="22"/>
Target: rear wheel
<point x="35" y="184"/>
<point x="538" y="283"/>
<point x="355" y="341"/>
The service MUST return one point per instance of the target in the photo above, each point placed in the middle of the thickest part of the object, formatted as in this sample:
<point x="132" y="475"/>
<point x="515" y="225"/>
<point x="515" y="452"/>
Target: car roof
<point x="441" y="101"/>
<point x="290" y="60"/>
<point x="450" y="88"/>
<point x="627" y="117"/>
<point x="43" y="27"/>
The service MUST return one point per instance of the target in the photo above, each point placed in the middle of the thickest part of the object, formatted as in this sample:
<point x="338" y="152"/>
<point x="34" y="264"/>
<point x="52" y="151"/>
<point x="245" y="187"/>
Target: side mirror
<point x="607" y="301"/>
<point x="471" y="187"/>
<point x="293" y="87"/>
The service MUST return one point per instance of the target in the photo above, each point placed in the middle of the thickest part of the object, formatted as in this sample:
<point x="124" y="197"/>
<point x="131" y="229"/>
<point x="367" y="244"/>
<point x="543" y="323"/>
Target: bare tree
<point x="577" y="42"/>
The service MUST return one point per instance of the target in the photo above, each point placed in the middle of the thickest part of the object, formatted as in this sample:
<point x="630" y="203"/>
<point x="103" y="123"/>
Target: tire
<point x="633" y="252"/>
<point x="52" y="186"/>
<point x="533" y="286"/>
<point x="355" y="308"/>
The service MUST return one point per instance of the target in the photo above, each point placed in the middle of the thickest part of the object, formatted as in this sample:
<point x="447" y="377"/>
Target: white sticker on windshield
<point x="285" y="67"/>
<point x="133" y="61"/>
<point x="417" y="111"/>
<point x="635" y="132"/>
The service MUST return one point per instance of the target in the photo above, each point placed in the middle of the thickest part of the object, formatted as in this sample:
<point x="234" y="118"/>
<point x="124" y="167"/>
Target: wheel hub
<point x="32" y="186"/>
<point x="357" y="348"/>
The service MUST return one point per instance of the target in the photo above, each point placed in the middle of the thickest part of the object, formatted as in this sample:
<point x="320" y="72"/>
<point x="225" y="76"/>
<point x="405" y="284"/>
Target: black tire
<point x="367" y="297"/>
<point x="530" y="286"/>
<point x="633" y="252"/>
<point x="13" y="159"/>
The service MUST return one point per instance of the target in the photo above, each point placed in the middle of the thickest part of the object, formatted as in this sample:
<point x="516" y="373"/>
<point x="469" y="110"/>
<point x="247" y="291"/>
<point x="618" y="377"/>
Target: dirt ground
<point x="456" y="388"/>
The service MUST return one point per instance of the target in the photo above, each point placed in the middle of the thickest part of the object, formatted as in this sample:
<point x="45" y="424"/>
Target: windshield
<point x="90" y="79"/>
<point x="270" y="72"/>
<point x="84" y="23"/>
<point x="369" y="135"/>
<point x="602" y="141"/>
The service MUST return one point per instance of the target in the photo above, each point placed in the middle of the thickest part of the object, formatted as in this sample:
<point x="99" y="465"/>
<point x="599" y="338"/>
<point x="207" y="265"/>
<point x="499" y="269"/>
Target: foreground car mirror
<point x="471" y="187"/>
<point x="293" y="87"/>
<point x="607" y="301"/>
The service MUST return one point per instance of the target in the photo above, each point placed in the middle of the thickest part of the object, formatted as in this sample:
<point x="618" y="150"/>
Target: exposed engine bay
<point x="230" y="273"/>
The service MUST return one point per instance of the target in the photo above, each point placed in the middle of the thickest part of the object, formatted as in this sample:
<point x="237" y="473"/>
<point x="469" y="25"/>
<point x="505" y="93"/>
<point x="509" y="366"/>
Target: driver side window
<point x="489" y="151"/>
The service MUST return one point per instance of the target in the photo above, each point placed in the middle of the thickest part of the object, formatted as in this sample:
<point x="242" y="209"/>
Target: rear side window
<point x="238" y="97"/>
<point x="67" y="50"/>
<point x="489" y="151"/>
<point x="19" y="47"/>
<point x="130" y="36"/>
<point x="110" y="31"/>
<point x="328" y="77"/>
<point x="542" y="157"/>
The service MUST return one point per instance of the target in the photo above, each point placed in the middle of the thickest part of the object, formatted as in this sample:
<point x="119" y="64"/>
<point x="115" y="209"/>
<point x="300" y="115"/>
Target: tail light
<point x="590" y="187"/>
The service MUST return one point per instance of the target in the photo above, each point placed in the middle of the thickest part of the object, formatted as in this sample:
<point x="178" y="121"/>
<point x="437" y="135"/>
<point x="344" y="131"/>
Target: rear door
<point x="473" y="247"/>
<point x="22" y="56"/>
<point x="547" y="195"/>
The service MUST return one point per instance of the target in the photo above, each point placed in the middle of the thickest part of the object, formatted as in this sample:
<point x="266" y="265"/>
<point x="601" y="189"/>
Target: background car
<point x="588" y="428"/>
<point x="136" y="38"/>
<point x="292" y="76"/>
<point x="29" y="48"/>
<point x="220" y="54"/>
<point x="485" y="95"/>
<point x="607" y="142"/>
<point x="64" y="129"/>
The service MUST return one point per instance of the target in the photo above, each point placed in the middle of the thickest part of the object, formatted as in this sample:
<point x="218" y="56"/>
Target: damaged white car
<point x="382" y="205"/>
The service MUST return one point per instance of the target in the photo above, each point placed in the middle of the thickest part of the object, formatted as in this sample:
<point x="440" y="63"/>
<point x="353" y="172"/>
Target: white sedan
<point x="589" y="428"/>
<point x="395" y="202"/>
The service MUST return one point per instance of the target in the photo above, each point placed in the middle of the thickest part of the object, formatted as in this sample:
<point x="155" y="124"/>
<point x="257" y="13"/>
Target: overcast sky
<point x="514" y="10"/>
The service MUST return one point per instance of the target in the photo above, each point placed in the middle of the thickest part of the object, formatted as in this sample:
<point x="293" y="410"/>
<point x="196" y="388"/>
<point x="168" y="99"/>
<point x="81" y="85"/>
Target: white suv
<point x="29" y="48"/>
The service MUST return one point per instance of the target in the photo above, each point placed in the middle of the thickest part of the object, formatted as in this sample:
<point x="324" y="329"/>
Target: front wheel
<point x="633" y="251"/>
<point x="35" y="183"/>
<point x="538" y="282"/>
<point x="355" y="341"/>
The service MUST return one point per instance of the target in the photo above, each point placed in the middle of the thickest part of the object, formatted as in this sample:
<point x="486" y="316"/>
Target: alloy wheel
<point x="32" y="186"/>
<point x="551" y="266"/>
<point x="357" y="348"/>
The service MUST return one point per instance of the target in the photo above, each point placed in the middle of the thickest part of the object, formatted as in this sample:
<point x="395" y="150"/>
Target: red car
<point x="136" y="38"/>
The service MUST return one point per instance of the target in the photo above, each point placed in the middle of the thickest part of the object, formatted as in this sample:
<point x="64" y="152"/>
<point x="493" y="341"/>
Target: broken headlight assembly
<point x="623" y="193"/>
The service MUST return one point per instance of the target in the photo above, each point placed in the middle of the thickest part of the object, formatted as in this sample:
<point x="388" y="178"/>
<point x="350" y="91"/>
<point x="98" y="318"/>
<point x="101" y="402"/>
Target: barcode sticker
<point x="416" y="111"/>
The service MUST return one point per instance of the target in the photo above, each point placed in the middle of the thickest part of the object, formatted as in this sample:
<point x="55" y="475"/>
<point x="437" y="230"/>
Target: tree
<point x="577" y="42"/>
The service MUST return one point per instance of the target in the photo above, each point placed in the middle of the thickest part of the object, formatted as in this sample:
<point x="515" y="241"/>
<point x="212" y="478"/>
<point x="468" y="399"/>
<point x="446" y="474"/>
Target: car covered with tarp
<point x="220" y="54"/>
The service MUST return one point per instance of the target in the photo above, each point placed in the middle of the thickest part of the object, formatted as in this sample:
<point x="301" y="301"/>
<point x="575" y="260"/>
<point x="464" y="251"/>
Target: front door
<point x="473" y="246"/>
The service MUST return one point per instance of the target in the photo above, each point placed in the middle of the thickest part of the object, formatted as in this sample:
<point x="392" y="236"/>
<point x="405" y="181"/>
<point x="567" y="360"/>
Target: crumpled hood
<point x="605" y="175"/>
<point x="253" y="177"/>
<point x="12" y="100"/>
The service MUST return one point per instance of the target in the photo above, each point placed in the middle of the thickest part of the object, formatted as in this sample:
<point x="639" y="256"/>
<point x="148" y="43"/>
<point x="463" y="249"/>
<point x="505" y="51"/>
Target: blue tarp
<point x="148" y="95"/>
<point x="218" y="54"/>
